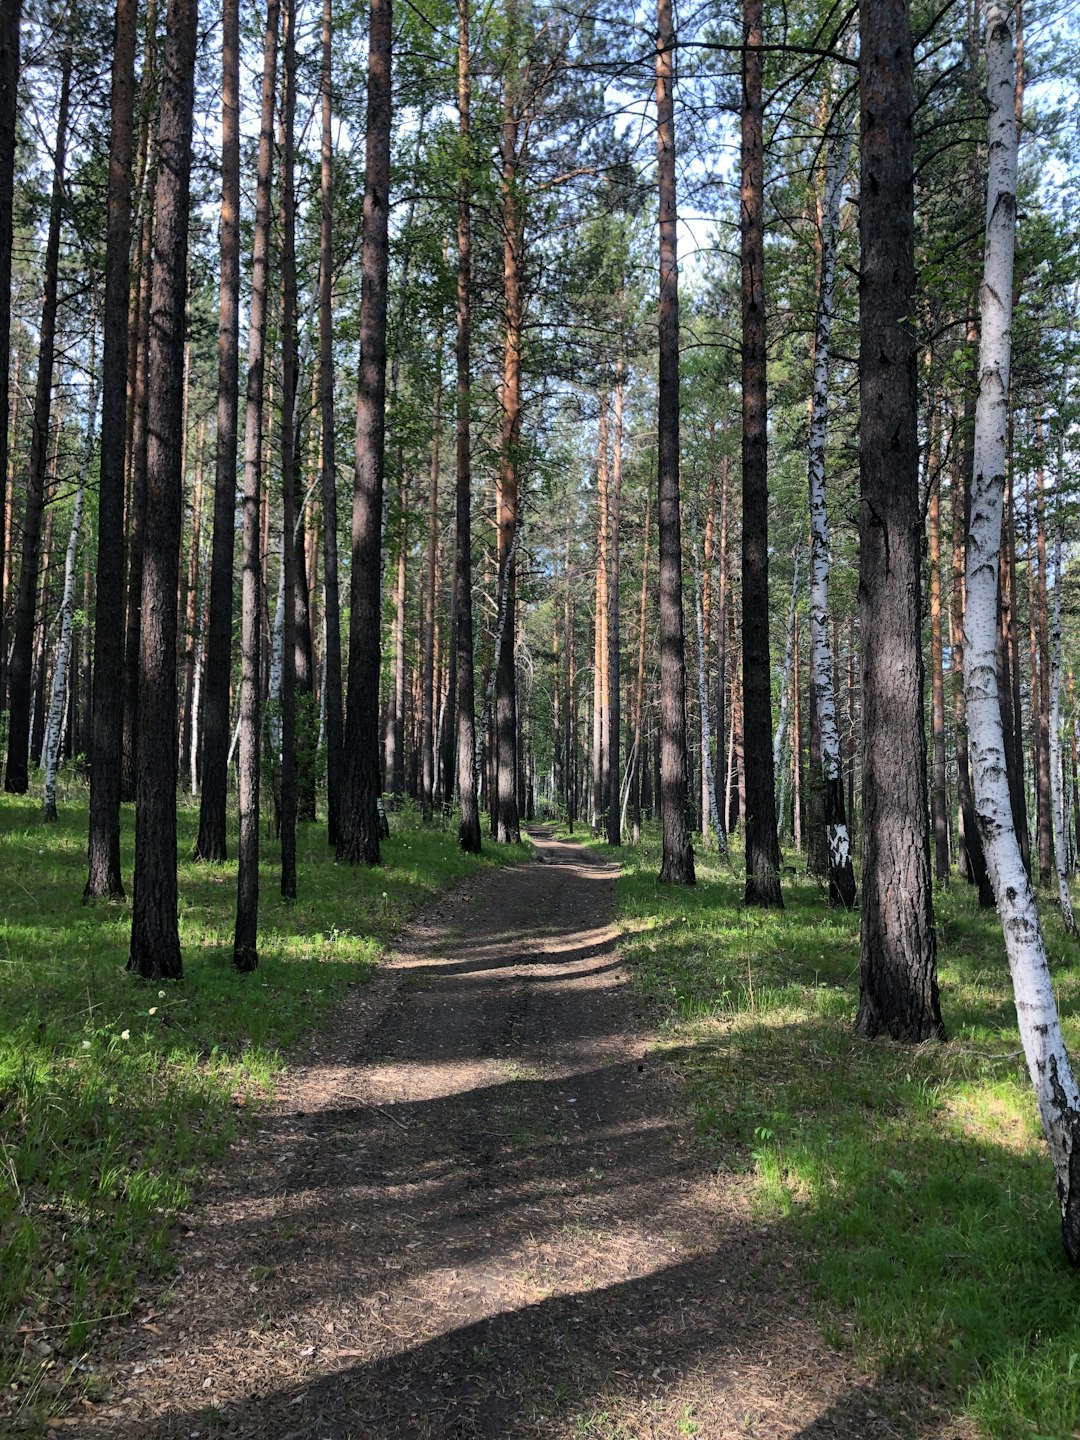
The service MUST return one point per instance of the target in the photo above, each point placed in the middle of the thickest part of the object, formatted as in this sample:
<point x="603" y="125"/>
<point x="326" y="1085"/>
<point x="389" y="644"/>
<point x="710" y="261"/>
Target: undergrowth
<point x="117" y="1097"/>
<point x="915" y="1180"/>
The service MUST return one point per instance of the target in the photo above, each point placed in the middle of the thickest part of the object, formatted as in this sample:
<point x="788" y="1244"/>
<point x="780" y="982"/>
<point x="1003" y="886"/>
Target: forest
<point x="539" y="635"/>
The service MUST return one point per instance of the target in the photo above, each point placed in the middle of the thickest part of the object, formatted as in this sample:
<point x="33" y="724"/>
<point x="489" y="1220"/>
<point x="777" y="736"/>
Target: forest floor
<point x="478" y="1208"/>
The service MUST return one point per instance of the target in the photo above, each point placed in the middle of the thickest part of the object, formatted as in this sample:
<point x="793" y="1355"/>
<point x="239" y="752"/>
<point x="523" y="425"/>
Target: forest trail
<point x="478" y="1210"/>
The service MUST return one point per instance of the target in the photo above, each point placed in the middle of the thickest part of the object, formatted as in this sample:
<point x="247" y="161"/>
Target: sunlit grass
<point x="118" y="1097"/>
<point x="915" y="1180"/>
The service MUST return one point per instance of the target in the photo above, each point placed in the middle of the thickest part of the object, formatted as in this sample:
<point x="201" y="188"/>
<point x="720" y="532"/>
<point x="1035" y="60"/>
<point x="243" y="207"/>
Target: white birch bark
<point x="55" y="719"/>
<point x="703" y="700"/>
<point x="837" y="837"/>
<point x="1051" y="1073"/>
<point x="1057" y="787"/>
<point x="780" y="769"/>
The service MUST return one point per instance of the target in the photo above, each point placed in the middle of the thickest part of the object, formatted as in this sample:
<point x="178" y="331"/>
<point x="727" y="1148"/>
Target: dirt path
<point x="479" y="1213"/>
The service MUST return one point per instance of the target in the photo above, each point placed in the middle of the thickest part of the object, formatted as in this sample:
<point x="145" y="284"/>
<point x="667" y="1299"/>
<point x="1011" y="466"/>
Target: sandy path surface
<point x="477" y="1210"/>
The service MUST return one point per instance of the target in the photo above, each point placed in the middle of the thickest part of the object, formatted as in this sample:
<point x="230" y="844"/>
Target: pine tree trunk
<point x="898" y="951"/>
<point x="614" y="794"/>
<point x="10" y="19"/>
<point x="246" y="931"/>
<point x="155" y="938"/>
<point x="289" y="397"/>
<point x="762" y="848"/>
<point x="189" y="634"/>
<point x="640" y="761"/>
<point x="939" y="808"/>
<point x="505" y="811"/>
<point x="359" y="821"/>
<point x="1056" y="768"/>
<point x="1056" y="1090"/>
<point x="21" y="676"/>
<point x="677" y="867"/>
<point x="599" y="726"/>
<point x="427" y="739"/>
<point x="333" y="703"/>
<point x="1042" y="637"/>
<point x="211" y="843"/>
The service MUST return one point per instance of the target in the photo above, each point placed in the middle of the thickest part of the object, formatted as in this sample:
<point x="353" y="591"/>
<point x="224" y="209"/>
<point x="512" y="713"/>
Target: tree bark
<point x="10" y="20"/>
<point x="427" y="738"/>
<point x="1057" y="785"/>
<point x="20" y="678"/>
<point x="289" y="389"/>
<point x="62" y="666"/>
<point x="469" y="825"/>
<point x="246" y="931"/>
<point x="677" y="867"/>
<point x="898" y="951"/>
<point x="358" y="829"/>
<point x="762" y="848"/>
<point x="155" y="937"/>
<point x="1041" y="697"/>
<point x="614" y="797"/>
<point x="211" y="844"/>
<point x="332" y="682"/>
<point x="939" y="809"/>
<point x="1056" y="1090"/>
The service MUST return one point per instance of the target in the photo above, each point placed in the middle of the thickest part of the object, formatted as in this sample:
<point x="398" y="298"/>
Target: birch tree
<point x="837" y="839"/>
<point x="1056" y="1091"/>
<point x="55" y="724"/>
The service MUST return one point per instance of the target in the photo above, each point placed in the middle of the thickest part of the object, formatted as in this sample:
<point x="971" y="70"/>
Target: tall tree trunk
<point x="1041" y="629"/>
<point x="394" y="749"/>
<point x="1048" y="1063"/>
<point x="211" y="842"/>
<point x="332" y="682"/>
<point x="137" y="505"/>
<point x="62" y="666"/>
<point x="723" y="600"/>
<point x="780" y="768"/>
<point x="898" y="949"/>
<point x="289" y="396"/>
<point x="599" y="717"/>
<point x="972" y="857"/>
<point x="358" y="828"/>
<point x="246" y="931"/>
<point x="762" y="848"/>
<point x="427" y="739"/>
<point x="469" y="826"/>
<point x="939" y="807"/>
<point x="16" y="777"/>
<point x="155" y="937"/>
<point x="189" y="634"/>
<point x="1057" y="784"/>
<point x="639" y="761"/>
<point x="505" y="812"/>
<point x="10" y="19"/>
<point x="824" y="731"/>
<point x="614" y="802"/>
<point x="677" y="867"/>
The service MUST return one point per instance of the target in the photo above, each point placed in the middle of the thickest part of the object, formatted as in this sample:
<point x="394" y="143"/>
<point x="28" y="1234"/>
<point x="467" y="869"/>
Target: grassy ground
<point x="117" y="1096"/>
<point x="916" y="1180"/>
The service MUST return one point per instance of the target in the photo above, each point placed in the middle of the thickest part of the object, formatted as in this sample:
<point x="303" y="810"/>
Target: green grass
<point x="915" y="1180"/>
<point x="118" y="1097"/>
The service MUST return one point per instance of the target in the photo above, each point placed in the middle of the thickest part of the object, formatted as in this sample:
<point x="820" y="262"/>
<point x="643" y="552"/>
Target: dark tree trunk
<point x="288" y="459"/>
<point x="898" y="960"/>
<point x="137" y="508"/>
<point x="938" y="801"/>
<point x="614" y="721"/>
<point x="211" y="844"/>
<point x="677" y="867"/>
<point x="505" y="811"/>
<point x="155" y="938"/>
<point x="331" y="600"/>
<point x="762" y="845"/>
<point x="246" y="931"/>
<point x="427" y="739"/>
<point x="10" y="18"/>
<point x="21" y="676"/>
<point x="469" y="826"/>
<point x="1042" y="647"/>
<point x="358" y="830"/>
